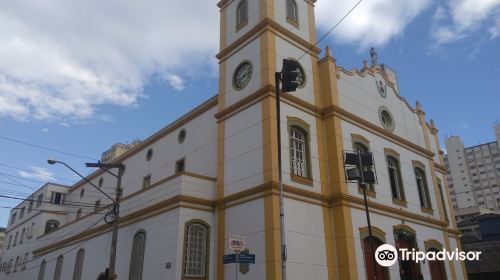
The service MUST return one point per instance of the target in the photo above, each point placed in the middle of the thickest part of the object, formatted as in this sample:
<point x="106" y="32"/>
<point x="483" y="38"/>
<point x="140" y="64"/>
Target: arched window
<point x="10" y="242"/>
<point x="77" y="272"/>
<point x="41" y="272"/>
<point x="423" y="190"/>
<point x="196" y="250"/>
<point x="291" y="11"/>
<point x="51" y="225"/>
<point x="30" y="230"/>
<point x="363" y="148"/>
<point x="381" y="272"/>
<point x="137" y="258"/>
<point x="16" y="265"/>
<point x="298" y="151"/>
<point x="59" y="264"/>
<point x="22" y="236"/>
<point x="25" y="261"/>
<point x="242" y="14"/>
<point x="15" y="239"/>
<point x="395" y="178"/>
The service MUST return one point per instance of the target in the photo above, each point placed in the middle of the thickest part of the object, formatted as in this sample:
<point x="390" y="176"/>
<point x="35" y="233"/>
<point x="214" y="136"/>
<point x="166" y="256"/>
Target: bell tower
<point x="255" y="36"/>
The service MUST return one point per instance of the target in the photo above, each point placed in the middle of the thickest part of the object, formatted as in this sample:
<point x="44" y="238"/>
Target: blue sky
<point x="122" y="72"/>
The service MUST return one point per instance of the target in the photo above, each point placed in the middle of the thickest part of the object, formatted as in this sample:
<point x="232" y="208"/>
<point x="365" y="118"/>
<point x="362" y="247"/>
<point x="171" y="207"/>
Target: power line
<point x="45" y="148"/>
<point x="329" y="31"/>
<point x="34" y="172"/>
<point x="10" y="177"/>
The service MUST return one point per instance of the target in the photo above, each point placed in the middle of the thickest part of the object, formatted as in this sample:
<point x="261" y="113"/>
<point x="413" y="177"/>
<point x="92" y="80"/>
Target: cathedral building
<point x="214" y="173"/>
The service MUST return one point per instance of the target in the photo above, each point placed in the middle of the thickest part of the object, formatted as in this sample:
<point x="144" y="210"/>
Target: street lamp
<point x="116" y="203"/>
<point x="288" y="77"/>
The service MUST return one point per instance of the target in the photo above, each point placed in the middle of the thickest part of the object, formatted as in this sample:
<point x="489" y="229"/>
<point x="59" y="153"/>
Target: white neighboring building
<point x="474" y="175"/>
<point x="213" y="173"/>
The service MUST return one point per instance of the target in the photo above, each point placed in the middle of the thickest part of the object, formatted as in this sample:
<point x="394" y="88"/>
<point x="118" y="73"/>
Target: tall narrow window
<point x="97" y="205"/>
<point x="25" y="261"/>
<point x="22" y="213"/>
<point x="41" y="272"/>
<point x="59" y="264"/>
<point x="39" y="200"/>
<point x="10" y="241"/>
<point x="77" y="273"/>
<point x="423" y="190"/>
<point x="31" y="230"/>
<point x="22" y="236"/>
<point x="180" y="166"/>
<point x="195" y="250"/>
<point x="242" y="14"/>
<point x="16" y="265"/>
<point x="445" y="210"/>
<point x="78" y="213"/>
<point x="395" y="178"/>
<point x="291" y="11"/>
<point x="298" y="151"/>
<point x="137" y="259"/>
<point x="15" y="238"/>
<point x="13" y="219"/>
<point x="30" y="207"/>
<point x="146" y="181"/>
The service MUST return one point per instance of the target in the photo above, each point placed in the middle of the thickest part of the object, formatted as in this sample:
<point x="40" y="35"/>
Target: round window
<point x="182" y="136"/>
<point x="386" y="119"/>
<point x="149" y="154"/>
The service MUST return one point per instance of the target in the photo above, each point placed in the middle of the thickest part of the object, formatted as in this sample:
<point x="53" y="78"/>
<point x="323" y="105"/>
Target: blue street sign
<point x="247" y="258"/>
<point x="231" y="258"/>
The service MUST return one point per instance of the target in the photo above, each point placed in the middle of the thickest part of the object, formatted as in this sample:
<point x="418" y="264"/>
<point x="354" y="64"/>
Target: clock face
<point x="242" y="75"/>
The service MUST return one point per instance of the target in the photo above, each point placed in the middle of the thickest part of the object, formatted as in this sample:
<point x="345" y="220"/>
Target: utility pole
<point x="116" y="217"/>
<point x="115" y="212"/>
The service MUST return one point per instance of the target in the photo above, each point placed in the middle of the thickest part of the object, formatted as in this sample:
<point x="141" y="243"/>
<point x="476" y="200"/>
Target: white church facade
<point x="214" y="172"/>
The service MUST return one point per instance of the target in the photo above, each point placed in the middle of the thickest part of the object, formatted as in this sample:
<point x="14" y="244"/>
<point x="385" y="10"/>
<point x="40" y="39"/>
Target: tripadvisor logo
<point x="387" y="255"/>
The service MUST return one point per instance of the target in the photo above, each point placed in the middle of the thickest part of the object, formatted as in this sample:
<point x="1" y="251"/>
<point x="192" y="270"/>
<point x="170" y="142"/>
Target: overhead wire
<point x="34" y="172"/>
<point x="45" y="148"/>
<point x="331" y="29"/>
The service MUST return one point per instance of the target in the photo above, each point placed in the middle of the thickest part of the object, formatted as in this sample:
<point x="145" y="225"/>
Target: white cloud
<point x="372" y="23"/>
<point x="462" y="18"/>
<point x="46" y="130"/>
<point x="60" y="60"/>
<point x="175" y="81"/>
<point x="39" y="173"/>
